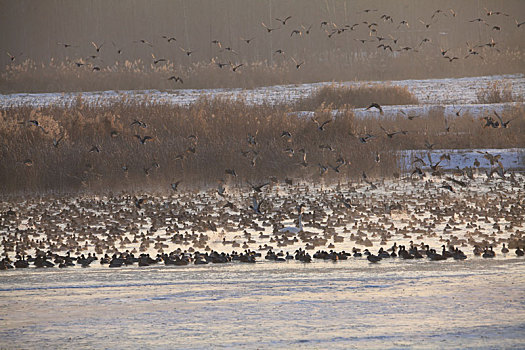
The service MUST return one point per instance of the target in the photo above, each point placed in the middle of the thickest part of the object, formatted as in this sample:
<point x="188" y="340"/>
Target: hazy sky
<point x="33" y="29"/>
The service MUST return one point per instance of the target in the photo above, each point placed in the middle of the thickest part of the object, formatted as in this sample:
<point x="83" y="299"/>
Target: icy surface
<point x="452" y="91"/>
<point x="511" y="159"/>
<point x="350" y="304"/>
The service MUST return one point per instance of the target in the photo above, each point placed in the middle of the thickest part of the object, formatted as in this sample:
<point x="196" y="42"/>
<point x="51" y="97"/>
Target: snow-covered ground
<point x="451" y="91"/>
<point x="510" y="159"/>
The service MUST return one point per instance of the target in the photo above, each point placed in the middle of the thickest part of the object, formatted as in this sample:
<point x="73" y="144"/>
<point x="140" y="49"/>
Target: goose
<point x="256" y="206"/>
<point x="175" y="185"/>
<point x="284" y="20"/>
<point x="186" y="51"/>
<point x="392" y="134"/>
<point x="235" y="67"/>
<point x="269" y="30"/>
<point x="375" y="105"/>
<point x="97" y="47"/>
<point x="247" y="41"/>
<point x="176" y="79"/>
<point x="502" y="123"/>
<point x="143" y="139"/>
<point x="519" y="252"/>
<point x="297" y="64"/>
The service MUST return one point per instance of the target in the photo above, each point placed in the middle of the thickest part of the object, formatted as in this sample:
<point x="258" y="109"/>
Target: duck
<point x="519" y="252"/>
<point x="373" y="258"/>
<point x="488" y="253"/>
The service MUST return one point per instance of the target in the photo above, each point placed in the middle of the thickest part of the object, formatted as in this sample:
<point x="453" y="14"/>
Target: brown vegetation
<point x="337" y="96"/>
<point x="497" y="92"/>
<point x="63" y="76"/>
<point x="197" y="143"/>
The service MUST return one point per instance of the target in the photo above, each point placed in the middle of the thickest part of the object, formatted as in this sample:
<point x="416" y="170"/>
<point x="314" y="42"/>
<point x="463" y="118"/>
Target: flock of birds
<point x="216" y="226"/>
<point x="123" y="230"/>
<point x="231" y="57"/>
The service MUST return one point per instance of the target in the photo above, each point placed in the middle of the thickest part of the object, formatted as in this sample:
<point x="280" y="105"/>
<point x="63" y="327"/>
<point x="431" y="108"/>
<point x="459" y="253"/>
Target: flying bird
<point x="269" y="30"/>
<point x="231" y="172"/>
<point x="375" y="105"/>
<point x="283" y="21"/>
<point x="176" y="79"/>
<point x="97" y="47"/>
<point x="297" y="64"/>
<point x="175" y="185"/>
<point x="321" y="126"/>
<point x="143" y="139"/>
<point x="502" y="123"/>
<point x="256" y="206"/>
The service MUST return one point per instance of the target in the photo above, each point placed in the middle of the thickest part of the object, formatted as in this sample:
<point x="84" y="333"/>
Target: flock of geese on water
<point x="216" y="226"/>
<point x="188" y="228"/>
<point x="383" y="42"/>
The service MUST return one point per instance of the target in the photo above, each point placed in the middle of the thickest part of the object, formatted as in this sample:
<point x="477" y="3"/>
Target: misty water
<point x="348" y="304"/>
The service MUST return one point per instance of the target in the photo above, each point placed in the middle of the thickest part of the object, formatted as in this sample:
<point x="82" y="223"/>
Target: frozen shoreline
<point x="348" y="304"/>
<point x="450" y="91"/>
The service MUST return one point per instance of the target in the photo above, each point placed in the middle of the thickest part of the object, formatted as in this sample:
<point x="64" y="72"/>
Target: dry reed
<point x="337" y="96"/>
<point x="196" y="143"/>
<point x="62" y="76"/>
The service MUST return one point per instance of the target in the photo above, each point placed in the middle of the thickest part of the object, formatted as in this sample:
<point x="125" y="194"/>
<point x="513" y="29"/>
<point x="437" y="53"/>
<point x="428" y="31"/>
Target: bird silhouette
<point x="321" y="127"/>
<point x="375" y="105"/>
<point x="97" y="47"/>
<point x="231" y="172"/>
<point x="503" y="124"/>
<point x="175" y="185"/>
<point x="176" y="79"/>
<point x="143" y="139"/>
<point x="297" y="64"/>
<point x="269" y="30"/>
<point x="284" y="20"/>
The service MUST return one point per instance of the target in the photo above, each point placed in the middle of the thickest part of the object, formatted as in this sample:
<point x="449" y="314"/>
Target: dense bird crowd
<point x="80" y="228"/>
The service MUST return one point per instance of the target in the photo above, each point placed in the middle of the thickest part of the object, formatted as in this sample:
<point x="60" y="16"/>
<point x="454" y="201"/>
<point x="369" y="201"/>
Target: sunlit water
<point x="477" y="303"/>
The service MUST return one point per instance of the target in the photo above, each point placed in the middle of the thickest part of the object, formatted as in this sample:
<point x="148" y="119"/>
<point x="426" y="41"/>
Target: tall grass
<point x="337" y="96"/>
<point x="61" y="76"/>
<point x="497" y="92"/>
<point x="197" y="143"/>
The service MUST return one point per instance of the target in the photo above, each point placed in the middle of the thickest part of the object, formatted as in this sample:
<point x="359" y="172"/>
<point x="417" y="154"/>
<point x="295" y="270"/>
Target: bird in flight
<point x="283" y="21"/>
<point x="97" y="47"/>
<point x="157" y="60"/>
<point x="139" y="123"/>
<point x="375" y="105"/>
<point x="247" y="41"/>
<point x="143" y="139"/>
<point x="187" y="52"/>
<point x="175" y="185"/>
<point x="297" y="64"/>
<point x="176" y="79"/>
<point x="392" y="134"/>
<point x="256" y="206"/>
<point x="321" y="126"/>
<point x="231" y="172"/>
<point x="269" y="30"/>
<point x="502" y="123"/>
<point x="66" y="45"/>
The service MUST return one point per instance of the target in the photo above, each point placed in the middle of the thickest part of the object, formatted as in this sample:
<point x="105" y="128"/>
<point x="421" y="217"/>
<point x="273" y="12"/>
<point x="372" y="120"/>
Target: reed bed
<point x="337" y="96"/>
<point x="497" y="92"/>
<point x="94" y="147"/>
<point x="64" y="76"/>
